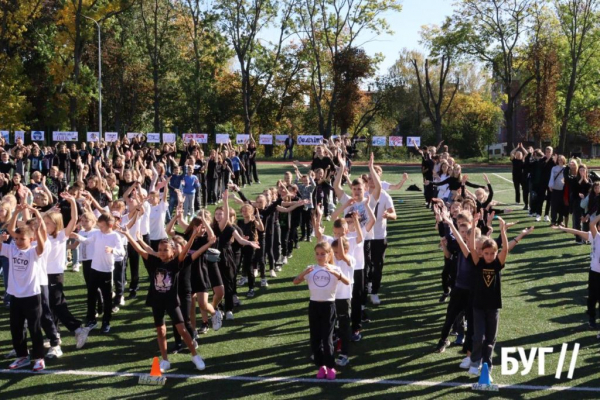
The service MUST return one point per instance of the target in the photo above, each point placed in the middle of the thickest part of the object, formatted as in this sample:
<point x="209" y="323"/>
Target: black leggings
<point x="593" y="294"/>
<point x="459" y="301"/>
<point x="58" y="303"/>
<point x="247" y="257"/>
<point x="228" y="276"/>
<point x="521" y="184"/>
<point x="378" y="247"/>
<point x="134" y="265"/>
<point x="358" y="289"/>
<point x="186" y="305"/>
<point x="321" y="319"/>
<point x="99" y="281"/>
<point x="306" y="227"/>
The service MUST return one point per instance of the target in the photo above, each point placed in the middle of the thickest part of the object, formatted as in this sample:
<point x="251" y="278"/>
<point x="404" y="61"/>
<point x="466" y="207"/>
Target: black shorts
<point x="200" y="277"/>
<point x="214" y="274"/>
<point x="158" y="312"/>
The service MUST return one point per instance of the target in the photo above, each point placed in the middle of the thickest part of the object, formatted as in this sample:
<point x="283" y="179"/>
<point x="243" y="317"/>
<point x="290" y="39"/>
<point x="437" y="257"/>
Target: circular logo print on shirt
<point x="321" y="278"/>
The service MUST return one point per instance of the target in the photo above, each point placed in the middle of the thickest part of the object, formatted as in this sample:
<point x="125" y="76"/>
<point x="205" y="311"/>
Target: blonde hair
<point x="57" y="219"/>
<point x="327" y="247"/>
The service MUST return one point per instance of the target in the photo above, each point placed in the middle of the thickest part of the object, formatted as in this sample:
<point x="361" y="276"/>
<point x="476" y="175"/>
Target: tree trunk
<point x="156" y="99"/>
<point x="562" y="144"/>
<point x="508" y="121"/>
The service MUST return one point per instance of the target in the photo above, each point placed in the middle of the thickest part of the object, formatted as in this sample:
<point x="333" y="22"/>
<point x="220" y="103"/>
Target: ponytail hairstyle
<point x="327" y="247"/>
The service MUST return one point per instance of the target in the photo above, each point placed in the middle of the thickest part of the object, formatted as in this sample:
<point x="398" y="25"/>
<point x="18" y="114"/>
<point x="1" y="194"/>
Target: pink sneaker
<point x="331" y="374"/>
<point x="322" y="372"/>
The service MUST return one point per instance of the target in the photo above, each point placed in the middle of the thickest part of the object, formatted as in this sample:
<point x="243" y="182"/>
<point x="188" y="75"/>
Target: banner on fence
<point x="153" y="137"/>
<point x="5" y="135"/>
<point x="131" y="135"/>
<point x="309" y="140"/>
<point x="37" y="136"/>
<point x="20" y="135"/>
<point x="241" y="138"/>
<point x="169" y="138"/>
<point x="222" y="138"/>
<point x="93" y="136"/>
<point x="201" y="138"/>
<point x="280" y="140"/>
<point x="379" y="141"/>
<point x="111" y="136"/>
<point x="411" y="140"/>
<point x="395" y="141"/>
<point x="265" y="139"/>
<point x="59" y="136"/>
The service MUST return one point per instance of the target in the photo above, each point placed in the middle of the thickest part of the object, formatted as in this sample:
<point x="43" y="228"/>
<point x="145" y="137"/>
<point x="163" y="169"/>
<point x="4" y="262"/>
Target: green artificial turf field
<point x="544" y="293"/>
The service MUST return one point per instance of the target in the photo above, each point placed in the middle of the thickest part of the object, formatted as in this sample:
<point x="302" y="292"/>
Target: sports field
<point x="264" y="352"/>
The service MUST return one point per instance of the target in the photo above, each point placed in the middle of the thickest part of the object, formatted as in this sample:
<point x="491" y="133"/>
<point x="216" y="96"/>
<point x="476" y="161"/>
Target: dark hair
<point x="107" y="218"/>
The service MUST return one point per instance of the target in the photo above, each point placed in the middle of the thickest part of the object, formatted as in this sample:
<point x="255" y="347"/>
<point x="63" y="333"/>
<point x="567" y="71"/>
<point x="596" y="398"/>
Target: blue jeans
<point x="4" y="266"/>
<point x="74" y="252"/>
<point x="291" y="153"/>
<point x="172" y="205"/>
<point x="188" y="204"/>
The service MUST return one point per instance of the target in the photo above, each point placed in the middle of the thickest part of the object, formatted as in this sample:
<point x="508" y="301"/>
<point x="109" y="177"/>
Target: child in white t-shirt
<point x="343" y="296"/>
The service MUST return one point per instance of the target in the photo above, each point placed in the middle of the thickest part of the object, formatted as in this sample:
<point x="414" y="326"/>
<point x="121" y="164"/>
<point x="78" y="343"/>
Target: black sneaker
<point x="177" y="348"/>
<point x="132" y="295"/>
<point x="105" y="328"/>
<point x="443" y="297"/>
<point x="364" y="318"/>
<point x="250" y="293"/>
<point x="296" y="246"/>
<point x="91" y="324"/>
<point x="441" y="346"/>
<point x="203" y="328"/>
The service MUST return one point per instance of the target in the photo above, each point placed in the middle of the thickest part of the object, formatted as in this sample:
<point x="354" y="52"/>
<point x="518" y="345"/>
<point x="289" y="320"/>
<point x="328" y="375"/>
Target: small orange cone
<point x="155" y="371"/>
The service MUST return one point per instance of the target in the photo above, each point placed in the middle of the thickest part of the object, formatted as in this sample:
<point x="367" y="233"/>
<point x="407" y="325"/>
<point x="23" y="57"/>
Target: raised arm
<point x="401" y="183"/>
<point x="505" y="249"/>
<point x="136" y="246"/>
<point x="71" y="226"/>
<point x="472" y="245"/>
<point x="375" y="176"/>
<point x="188" y="245"/>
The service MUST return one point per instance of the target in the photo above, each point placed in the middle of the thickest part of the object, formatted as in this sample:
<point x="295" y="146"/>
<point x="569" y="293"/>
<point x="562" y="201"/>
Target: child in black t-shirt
<point x="487" y="296"/>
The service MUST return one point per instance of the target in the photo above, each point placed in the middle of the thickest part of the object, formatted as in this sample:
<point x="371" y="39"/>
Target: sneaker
<point x="76" y="268"/>
<point x="11" y="354"/>
<point x="369" y="287"/>
<point x="47" y="343"/>
<point x="441" y="346"/>
<point x="198" y="362"/>
<point x="285" y="260"/>
<point x="132" y="295"/>
<point x="217" y="320"/>
<point x="236" y="301"/>
<point x="91" y="325"/>
<point x="255" y="273"/>
<point x="115" y="309"/>
<point x="264" y="283"/>
<point x="364" y="318"/>
<point x="176" y="349"/>
<point x="54" y="352"/>
<point x="81" y="335"/>
<point x="39" y="365"/>
<point x="592" y="324"/>
<point x="465" y="363"/>
<point x="105" y="328"/>
<point x="460" y="340"/>
<point x="546" y="218"/>
<point x="250" y="293"/>
<point x="273" y="274"/>
<point x="342" y="360"/>
<point x="531" y="215"/>
<point x="229" y="316"/>
<point x="538" y="218"/>
<point x="331" y="374"/>
<point x="277" y="268"/>
<point x="290" y="256"/>
<point x="375" y="300"/>
<point x="20" y="363"/>
<point x="328" y="218"/>
<point x="474" y="371"/>
<point x="122" y="301"/>
<point x="203" y="328"/>
<point x="356" y="336"/>
<point x="443" y="297"/>
<point x="322" y="374"/>
<point x="165" y="365"/>
<point x="242" y="281"/>
<point x="526" y="208"/>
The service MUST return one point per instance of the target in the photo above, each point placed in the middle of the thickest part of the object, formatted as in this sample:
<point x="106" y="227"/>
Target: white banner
<point x="222" y="138"/>
<point x="59" y="136"/>
<point x="169" y="138"/>
<point x="242" y="138"/>
<point x="265" y="139"/>
<point x="111" y="136"/>
<point x="153" y="137"/>
<point x="411" y="140"/>
<point x="198" y="137"/>
<point x="131" y="135"/>
<point x="93" y="136"/>
<point x="37" y="136"/>
<point x="280" y="139"/>
<point x="20" y="135"/>
<point x="379" y="141"/>
<point x="310" y="140"/>
<point x="396" y="141"/>
<point x="6" y="136"/>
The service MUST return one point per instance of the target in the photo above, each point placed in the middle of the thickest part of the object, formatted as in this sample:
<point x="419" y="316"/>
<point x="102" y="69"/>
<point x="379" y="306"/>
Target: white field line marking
<point x="388" y="382"/>
<point x="501" y="177"/>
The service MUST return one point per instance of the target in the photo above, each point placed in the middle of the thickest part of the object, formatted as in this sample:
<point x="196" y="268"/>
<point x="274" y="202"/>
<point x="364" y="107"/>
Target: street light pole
<point x="99" y="77"/>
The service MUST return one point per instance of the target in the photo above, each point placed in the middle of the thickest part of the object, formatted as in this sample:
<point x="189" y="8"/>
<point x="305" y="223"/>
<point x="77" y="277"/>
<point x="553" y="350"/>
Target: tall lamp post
<point x="99" y="77"/>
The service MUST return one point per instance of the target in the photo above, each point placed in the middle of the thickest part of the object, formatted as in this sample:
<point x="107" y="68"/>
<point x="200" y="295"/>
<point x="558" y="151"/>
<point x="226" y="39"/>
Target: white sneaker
<point x="474" y="371"/>
<point x="165" y="365"/>
<point x="256" y="273"/>
<point x="531" y="215"/>
<point x="284" y="261"/>
<point x="375" y="300"/>
<point x="465" y="363"/>
<point x="20" y="362"/>
<point x="217" y="320"/>
<point x="264" y="283"/>
<point x="76" y="268"/>
<point x="242" y="281"/>
<point x="13" y="353"/>
<point x="342" y="360"/>
<point x="122" y="302"/>
<point x="115" y="309"/>
<point x="46" y="344"/>
<point x="273" y="274"/>
<point x="547" y="218"/>
<point x="39" y="365"/>
<point x="54" y="352"/>
<point x="278" y="269"/>
<point x="229" y="315"/>
<point x="198" y="362"/>
<point x="81" y="335"/>
<point x="369" y="287"/>
<point x="538" y="218"/>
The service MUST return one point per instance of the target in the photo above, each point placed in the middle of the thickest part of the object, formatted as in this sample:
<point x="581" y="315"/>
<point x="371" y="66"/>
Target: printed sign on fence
<point x="5" y="135"/>
<point x="395" y="141"/>
<point x="241" y="138"/>
<point x="93" y="136"/>
<point x="111" y="136"/>
<point x="20" y="135"/>
<point x="280" y="140"/>
<point x="153" y="137"/>
<point x="310" y="140"/>
<point x="201" y="138"/>
<point x="59" y="136"/>
<point x="37" y="136"/>
<point x="131" y="135"/>
<point x="379" y="140"/>
<point x="222" y="138"/>
<point x="411" y="140"/>
<point x="265" y="139"/>
<point x="169" y="138"/>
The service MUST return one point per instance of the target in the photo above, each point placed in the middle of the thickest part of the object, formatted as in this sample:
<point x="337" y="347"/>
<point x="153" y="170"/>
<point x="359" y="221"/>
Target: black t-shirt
<point x="322" y="163"/>
<point x="163" y="282"/>
<point x="224" y="237"/>
<point x="185" y="276"/>
<point x="248" y="229"/>
<point x="517" y="168"/>
<point x="486" y="289"/>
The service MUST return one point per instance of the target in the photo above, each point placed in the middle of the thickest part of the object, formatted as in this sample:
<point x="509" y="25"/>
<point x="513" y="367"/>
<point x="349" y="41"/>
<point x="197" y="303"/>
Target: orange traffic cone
<point x="155" y="377"/>
<point x="155" y="371"/>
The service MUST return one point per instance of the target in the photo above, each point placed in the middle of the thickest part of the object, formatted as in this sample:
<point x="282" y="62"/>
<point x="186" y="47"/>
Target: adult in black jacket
<point x="519" y="175"/>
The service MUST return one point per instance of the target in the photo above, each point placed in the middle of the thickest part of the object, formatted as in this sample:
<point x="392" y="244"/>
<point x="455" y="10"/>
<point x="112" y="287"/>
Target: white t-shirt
<point x="103" y="261"/>
<point x="385" y="185"/>
<point x="363" y="216"/>
<point x="145" y="219"/>
<point x="443" y="190"/>
<point x="121" y="257"/>
<point x="595" y="254"/>
<point x="43" y="274"/>
<point x="135" y="228"/>
<point x="86" y="250"/>
<point x="342" y="291"/>
<point x="56" y="261"/>
<point x="356" y="250"/>
<point x="380" y="228"/>
<point x="322" y="284"/>
<point x="24" y="266"/>
<point x="157" y="221"/>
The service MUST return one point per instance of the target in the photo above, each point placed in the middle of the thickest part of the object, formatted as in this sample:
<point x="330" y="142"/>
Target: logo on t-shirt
<point x="321" y="278"/>
<point x="163" y="281"/>
<point x="488" y="276"/>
